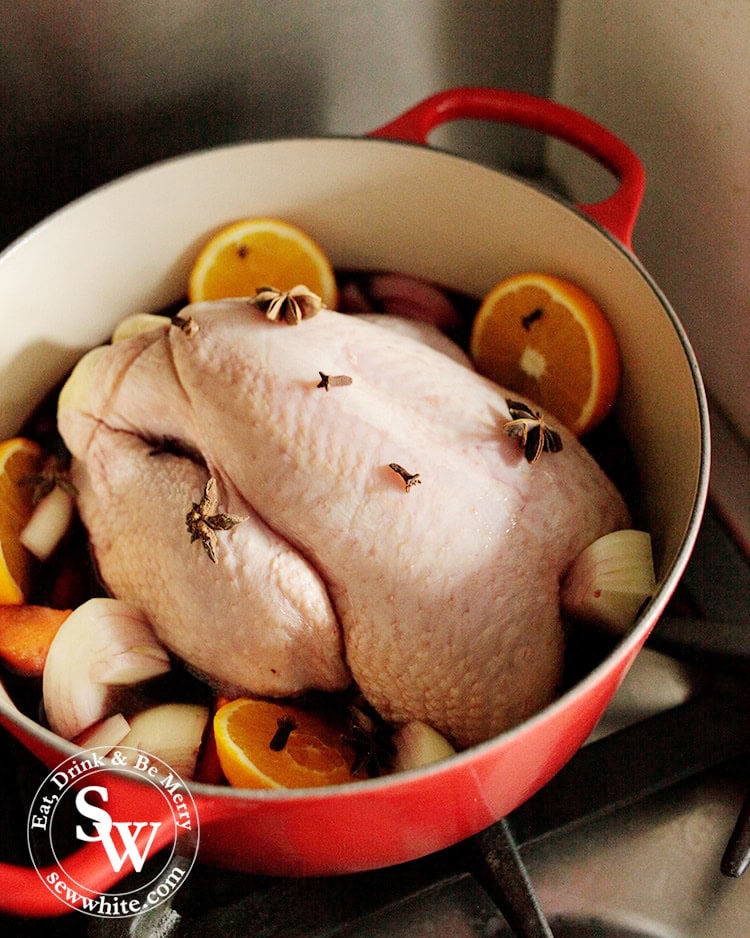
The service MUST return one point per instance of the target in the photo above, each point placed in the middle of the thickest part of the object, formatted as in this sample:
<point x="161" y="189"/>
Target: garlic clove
<point x="103" y="644"/>
<point x="137" y="323"/>
<point x="418" y="744"/>
<point x="173" y="732"/>
<point x="610" y="580"/>
<point x="48" y="523"/>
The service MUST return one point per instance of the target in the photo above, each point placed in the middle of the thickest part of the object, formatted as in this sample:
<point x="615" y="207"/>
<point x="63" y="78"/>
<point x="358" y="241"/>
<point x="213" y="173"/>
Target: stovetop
<point x="628" y="840"/>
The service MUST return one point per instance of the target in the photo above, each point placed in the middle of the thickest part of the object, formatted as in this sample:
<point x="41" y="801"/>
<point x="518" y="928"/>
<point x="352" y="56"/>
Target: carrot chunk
<point x="26" y="632"/>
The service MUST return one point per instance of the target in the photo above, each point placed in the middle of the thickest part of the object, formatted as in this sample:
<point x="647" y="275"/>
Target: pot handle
<point x="23" y="891"/>
<point x="617" y="213"/>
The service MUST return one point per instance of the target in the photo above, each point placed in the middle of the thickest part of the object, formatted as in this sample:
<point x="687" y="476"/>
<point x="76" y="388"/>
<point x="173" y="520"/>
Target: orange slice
<point x="545" y="338"/>
<point x="258" y="749"/>
<point x="19" y="457"/>
<point x="258" y="252"/>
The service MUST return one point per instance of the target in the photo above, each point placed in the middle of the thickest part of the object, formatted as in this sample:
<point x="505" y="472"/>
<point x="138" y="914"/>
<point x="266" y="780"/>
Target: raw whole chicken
<point x="384" y="531"/>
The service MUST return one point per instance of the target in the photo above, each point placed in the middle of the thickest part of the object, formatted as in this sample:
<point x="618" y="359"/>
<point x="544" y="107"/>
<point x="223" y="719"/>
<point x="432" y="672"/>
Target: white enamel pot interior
<point x="373" y="204"/>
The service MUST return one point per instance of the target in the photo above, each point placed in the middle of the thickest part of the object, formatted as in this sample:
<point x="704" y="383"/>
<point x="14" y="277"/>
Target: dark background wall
<point x="90" y="89"/>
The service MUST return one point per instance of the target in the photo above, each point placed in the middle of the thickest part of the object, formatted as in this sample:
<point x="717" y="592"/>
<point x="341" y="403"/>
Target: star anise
<point x="202" y="521"/>
<point x="370" y="738"/>
<point x="530" y="429"/>
<point x="291" y="306"/>
<point x="54" y="473"/>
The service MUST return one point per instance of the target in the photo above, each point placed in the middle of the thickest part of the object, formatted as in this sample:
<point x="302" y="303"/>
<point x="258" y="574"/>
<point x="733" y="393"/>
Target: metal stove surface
<point x="650" y="872"/>
<point x="653" y="868"/>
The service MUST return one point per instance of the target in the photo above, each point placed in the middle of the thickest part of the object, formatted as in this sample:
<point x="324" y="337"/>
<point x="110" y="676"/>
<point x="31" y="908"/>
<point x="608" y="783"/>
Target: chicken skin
<point x="384" y="531"/>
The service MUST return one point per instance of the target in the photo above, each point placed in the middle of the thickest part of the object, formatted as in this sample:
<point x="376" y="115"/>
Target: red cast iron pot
<point x="383" y="202"/>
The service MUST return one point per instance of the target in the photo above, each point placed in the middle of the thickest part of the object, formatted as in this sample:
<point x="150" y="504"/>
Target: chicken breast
<point x="438" y="596"/>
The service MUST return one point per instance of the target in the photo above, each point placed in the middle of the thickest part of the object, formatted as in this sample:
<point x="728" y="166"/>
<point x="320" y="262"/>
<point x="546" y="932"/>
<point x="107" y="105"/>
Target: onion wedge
<point x="173" y="732"/>
<point x="418" y="744"/>
<point x="610" y="580"/>
<point x="102" y="645"/>
<point x="48" y="523"/>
